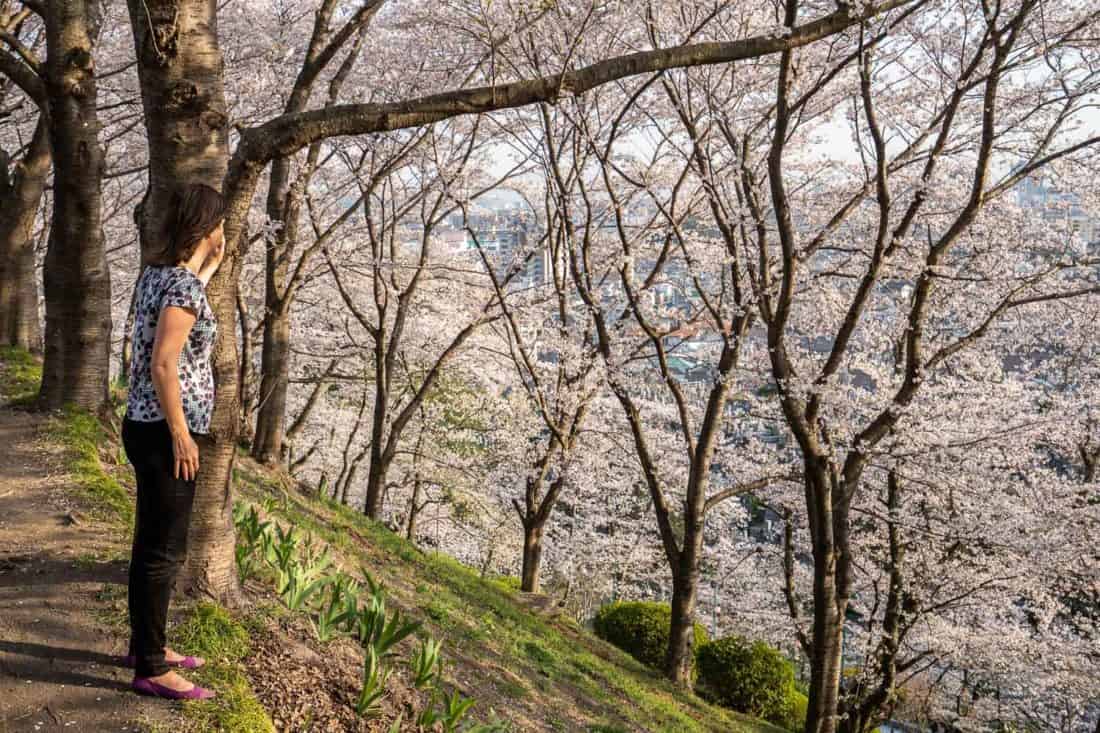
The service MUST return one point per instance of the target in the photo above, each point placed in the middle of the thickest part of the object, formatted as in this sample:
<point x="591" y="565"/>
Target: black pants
<point x="160" y="539"/>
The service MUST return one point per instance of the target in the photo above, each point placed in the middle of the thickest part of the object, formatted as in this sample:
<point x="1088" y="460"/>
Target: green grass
<point x="83" y="434"/>
<point x="560" y="663"/>
<point x="76" y="429"/>
<point x="114" y="612"/>
<point x="21" y="375"/>
<point x="211" y="632"/>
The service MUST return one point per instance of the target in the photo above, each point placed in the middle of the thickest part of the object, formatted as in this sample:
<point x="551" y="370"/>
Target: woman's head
<point x="195" y="213"/>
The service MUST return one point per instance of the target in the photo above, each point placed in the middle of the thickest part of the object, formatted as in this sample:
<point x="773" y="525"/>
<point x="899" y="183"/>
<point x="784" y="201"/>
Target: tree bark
<point x="181" y="72"/>
<point x="77" y="287"/>
<point x="830" y="597"/>
<point x="246" y="378"/>
<point x="127" y="339"/>
<point x="267" y="445"/>
<point x="21" y="192"/>
<point x="414" y="511"/>
<point x="537" y="509"/>
<point x="532" y="557"/>
<point x="680" y="656"/>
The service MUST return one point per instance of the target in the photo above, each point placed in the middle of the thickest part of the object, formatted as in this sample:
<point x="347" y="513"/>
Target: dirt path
<point x="62" y="606"/>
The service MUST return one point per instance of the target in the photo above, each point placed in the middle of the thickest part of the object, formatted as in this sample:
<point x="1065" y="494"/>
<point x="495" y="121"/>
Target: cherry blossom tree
<point x="182" y="76"/>
<point x="907" y="268"/>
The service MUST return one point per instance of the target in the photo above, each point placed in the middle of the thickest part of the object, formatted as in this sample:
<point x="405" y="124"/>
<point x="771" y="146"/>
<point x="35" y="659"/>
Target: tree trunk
<point x="532" y="556"/>
<point x="127" y="339"/>
<point x="267" y="446"/>
<point x="680" y="657"/>
<point x="1090" y="459"/>
<point x="376" y="482"/>
<point x="181" y="72"/>
<point x="376" y="474"/>
<point x="246" y="378"/>
<point x="77" y="286"/>
<point x="828" y="623"/>
<point x="20" y="196"/>
<point x="414" y="511"/>
<point x="826" y="659"/>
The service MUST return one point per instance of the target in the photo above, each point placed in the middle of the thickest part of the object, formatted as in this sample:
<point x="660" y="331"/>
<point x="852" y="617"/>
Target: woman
<point x="169" y="405"/>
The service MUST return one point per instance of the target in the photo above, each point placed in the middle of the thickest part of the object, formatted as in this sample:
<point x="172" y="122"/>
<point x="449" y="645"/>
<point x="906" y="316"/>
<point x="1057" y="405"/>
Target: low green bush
<point x="750" y="677"/>
<point x="640" y="628"/>
<point x="795" y="717"/>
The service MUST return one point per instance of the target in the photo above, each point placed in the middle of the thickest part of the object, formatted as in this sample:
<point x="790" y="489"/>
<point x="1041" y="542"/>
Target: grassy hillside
<point x="541" y="673"/>
<point x="526" y="670"/>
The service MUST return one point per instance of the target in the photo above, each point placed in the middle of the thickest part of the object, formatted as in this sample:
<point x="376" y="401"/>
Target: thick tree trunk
<point x="77" y="287"/>
<point x="20" y="197"/>
<point x="826" y="659"/>
<point x="829" y="607"/>
<point x="376" y="483"/>
<point x="181" y="72"/>
<point x="680" y="657"/>
<point x="532" y="556"/>
<point x="267" y="446"/>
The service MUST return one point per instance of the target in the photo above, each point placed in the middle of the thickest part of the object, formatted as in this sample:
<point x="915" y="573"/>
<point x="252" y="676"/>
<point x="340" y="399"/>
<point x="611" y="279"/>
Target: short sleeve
<point x="186" y="292"/>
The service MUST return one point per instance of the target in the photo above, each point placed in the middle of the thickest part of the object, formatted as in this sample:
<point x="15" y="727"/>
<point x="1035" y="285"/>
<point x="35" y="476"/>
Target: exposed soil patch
<point x="307" y="685"/>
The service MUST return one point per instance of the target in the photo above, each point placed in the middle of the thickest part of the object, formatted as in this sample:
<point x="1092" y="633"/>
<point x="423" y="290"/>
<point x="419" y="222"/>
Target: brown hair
<point x="193" y="212"/>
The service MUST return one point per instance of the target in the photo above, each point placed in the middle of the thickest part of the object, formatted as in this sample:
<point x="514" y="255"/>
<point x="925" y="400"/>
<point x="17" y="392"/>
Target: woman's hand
<point x="186" y="452"/>
<point x="214" y="258"/>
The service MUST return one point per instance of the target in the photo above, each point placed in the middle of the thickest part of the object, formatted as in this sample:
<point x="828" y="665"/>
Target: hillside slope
<point x="540" y="672"/>
<point x="526" y="669"/>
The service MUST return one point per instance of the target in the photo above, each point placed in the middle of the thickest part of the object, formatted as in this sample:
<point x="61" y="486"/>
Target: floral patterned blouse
<point x="160" y="286"/>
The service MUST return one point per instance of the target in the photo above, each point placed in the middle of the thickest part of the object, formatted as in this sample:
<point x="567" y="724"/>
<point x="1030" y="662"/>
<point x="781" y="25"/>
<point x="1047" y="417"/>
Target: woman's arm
<point x="172" y="329"/>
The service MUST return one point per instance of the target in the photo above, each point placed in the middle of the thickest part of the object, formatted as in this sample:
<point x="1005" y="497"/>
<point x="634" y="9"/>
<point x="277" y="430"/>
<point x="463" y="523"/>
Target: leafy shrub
<point x="795" y="716"/>
<point x="750" y="677"/>
<point x="640" y="628"/>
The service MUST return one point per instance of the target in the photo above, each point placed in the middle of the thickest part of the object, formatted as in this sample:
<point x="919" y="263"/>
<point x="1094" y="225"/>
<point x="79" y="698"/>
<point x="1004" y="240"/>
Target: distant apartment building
<point x="1061" y="208"/>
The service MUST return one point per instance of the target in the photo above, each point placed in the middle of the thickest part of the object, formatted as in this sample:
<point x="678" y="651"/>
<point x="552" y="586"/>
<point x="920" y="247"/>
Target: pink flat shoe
<point x="187" y="662"/>
<point x="146" y="686"/>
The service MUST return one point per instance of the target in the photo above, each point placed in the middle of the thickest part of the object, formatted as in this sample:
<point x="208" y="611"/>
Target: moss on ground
<point x="21" y="375"/>
<point x="84" y="435"/>
<point x="209" y="631"/>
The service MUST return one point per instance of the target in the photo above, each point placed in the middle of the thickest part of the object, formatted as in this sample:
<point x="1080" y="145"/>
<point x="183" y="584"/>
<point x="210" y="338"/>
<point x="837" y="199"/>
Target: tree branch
<point x="291" y="132"/>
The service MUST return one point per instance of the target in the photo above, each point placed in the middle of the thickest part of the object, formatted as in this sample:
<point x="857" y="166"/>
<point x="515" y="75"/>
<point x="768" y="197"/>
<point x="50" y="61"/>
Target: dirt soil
<point x="62" y="606"/>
